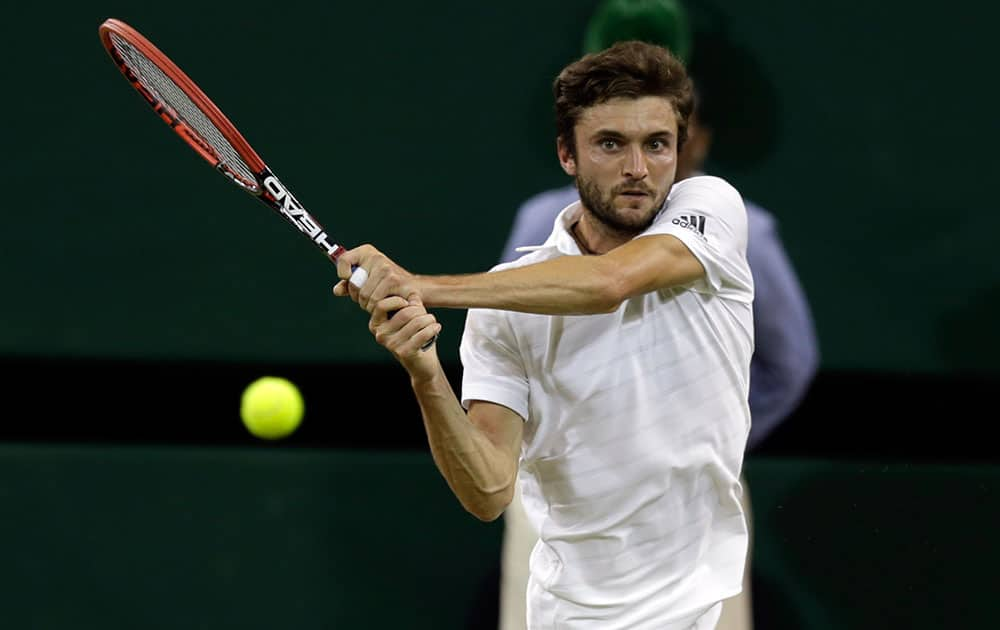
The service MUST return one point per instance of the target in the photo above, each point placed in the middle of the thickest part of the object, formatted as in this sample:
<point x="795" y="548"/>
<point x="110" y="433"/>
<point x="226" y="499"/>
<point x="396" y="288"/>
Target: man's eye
<point x="657" y="145"/>
<point x="609" y="145"/>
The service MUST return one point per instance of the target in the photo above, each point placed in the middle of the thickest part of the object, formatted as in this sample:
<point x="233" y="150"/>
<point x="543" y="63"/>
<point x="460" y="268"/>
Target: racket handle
<point x="358" y="278"/>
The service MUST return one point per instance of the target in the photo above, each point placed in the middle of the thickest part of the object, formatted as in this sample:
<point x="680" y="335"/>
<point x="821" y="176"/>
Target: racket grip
<point x="358" y="278"/>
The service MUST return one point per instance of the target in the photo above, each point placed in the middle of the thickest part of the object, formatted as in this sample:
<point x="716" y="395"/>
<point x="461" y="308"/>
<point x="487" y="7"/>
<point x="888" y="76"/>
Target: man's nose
<point x="634" y="166"/>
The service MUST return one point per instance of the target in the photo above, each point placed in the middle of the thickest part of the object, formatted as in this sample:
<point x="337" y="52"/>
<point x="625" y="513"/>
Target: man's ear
<point x="566" y="158"/>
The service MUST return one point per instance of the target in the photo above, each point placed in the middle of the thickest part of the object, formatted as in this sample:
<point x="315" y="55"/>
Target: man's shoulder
<point x="755" y="212"/>
<point x="706" y="184"/>
<point x="704" y="195"/>
<point x="761" y="222"/>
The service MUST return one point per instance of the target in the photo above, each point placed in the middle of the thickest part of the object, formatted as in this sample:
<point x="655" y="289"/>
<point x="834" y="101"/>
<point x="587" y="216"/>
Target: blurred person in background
<point x="786" y="355"/>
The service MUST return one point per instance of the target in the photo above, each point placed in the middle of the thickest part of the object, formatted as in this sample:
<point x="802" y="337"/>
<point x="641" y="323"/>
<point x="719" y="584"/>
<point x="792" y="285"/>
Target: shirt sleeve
<point x="492" y="367"/>
<point x="707" y="214"/>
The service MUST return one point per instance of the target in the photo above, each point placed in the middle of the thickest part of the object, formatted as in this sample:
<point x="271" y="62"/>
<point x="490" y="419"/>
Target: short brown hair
<point x="629" y="69"/>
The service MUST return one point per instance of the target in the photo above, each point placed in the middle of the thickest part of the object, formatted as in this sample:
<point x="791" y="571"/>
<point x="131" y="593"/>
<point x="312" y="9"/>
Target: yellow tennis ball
<point x="271" y="407"/>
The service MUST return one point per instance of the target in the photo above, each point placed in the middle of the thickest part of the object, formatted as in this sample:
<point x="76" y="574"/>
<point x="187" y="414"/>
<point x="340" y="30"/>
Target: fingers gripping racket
<point x="195" y="118"/>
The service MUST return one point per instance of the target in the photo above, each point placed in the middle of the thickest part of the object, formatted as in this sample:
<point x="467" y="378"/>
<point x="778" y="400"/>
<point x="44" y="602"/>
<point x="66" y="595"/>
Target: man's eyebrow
<point x="608" y="133"/>
<point x="662" y="133"/>
<point x="611" y="133"/>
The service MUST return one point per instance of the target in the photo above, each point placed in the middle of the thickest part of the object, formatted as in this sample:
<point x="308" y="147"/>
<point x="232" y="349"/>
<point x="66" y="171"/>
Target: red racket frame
<point x="266" y="187"/>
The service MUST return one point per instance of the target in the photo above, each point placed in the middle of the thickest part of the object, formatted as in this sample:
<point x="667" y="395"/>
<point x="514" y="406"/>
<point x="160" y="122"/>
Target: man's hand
<point x="404" y="328"/>
<point x="385" y="278"/>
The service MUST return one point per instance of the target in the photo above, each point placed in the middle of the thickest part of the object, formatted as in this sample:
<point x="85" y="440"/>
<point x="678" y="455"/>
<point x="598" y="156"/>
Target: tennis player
<point x="609" y="368"/>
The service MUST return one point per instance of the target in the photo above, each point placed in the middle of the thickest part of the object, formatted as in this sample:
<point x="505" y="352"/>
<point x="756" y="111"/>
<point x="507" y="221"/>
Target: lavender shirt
<point x="786" y="354"/>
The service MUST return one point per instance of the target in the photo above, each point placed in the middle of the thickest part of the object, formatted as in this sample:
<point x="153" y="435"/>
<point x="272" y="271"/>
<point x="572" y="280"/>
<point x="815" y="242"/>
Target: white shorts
<point x="544" y="614"/>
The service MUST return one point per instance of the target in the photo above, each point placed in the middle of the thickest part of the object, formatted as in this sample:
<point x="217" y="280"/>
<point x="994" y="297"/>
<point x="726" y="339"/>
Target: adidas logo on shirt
<point x="693" y="221"/>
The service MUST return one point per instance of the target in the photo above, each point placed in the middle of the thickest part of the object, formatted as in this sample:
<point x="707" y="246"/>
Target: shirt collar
<point x="561" y="237"/>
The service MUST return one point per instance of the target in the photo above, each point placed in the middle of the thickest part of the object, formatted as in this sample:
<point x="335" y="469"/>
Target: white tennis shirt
<point x="636" y="423"/>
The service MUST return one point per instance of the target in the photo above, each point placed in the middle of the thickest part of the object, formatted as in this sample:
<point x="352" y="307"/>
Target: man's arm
<point x="477" y="453"/>
<point x="568" y="285"/>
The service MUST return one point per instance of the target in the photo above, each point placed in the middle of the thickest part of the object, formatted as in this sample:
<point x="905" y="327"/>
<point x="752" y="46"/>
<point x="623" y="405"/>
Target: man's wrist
<point x="428" y="289"/>
<point x="425" y="369"/>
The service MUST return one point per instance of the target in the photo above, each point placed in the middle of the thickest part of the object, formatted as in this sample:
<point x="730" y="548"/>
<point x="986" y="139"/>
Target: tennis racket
<point x="195" y="118"/>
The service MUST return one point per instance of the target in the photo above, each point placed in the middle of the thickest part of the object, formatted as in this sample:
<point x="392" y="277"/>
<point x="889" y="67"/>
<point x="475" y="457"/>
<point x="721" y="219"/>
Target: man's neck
<point x="594" y="237"/>
<point x="580" y="242"/>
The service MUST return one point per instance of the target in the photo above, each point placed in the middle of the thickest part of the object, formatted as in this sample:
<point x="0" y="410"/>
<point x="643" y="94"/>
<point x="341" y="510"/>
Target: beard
<point x="602" y="206"/>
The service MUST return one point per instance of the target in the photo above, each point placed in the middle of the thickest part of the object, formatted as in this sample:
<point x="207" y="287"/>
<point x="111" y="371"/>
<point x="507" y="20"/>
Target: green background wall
<point x="234" y="538"/>
<point x="296" y="538"/>
<point x="420" y="127"/>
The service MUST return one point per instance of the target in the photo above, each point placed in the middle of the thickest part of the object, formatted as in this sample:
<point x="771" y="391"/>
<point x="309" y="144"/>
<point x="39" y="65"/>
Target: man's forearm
<point x="479" y="473"/>
<point x="569" y="285"/>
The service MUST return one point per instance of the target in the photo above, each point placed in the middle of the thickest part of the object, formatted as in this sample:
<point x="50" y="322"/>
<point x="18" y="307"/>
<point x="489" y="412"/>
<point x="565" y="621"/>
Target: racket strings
<point x="166" y="91"/>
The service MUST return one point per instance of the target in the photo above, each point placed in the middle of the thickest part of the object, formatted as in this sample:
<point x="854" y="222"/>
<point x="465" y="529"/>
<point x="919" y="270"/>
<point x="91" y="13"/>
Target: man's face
<point x="626" y="160"/>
